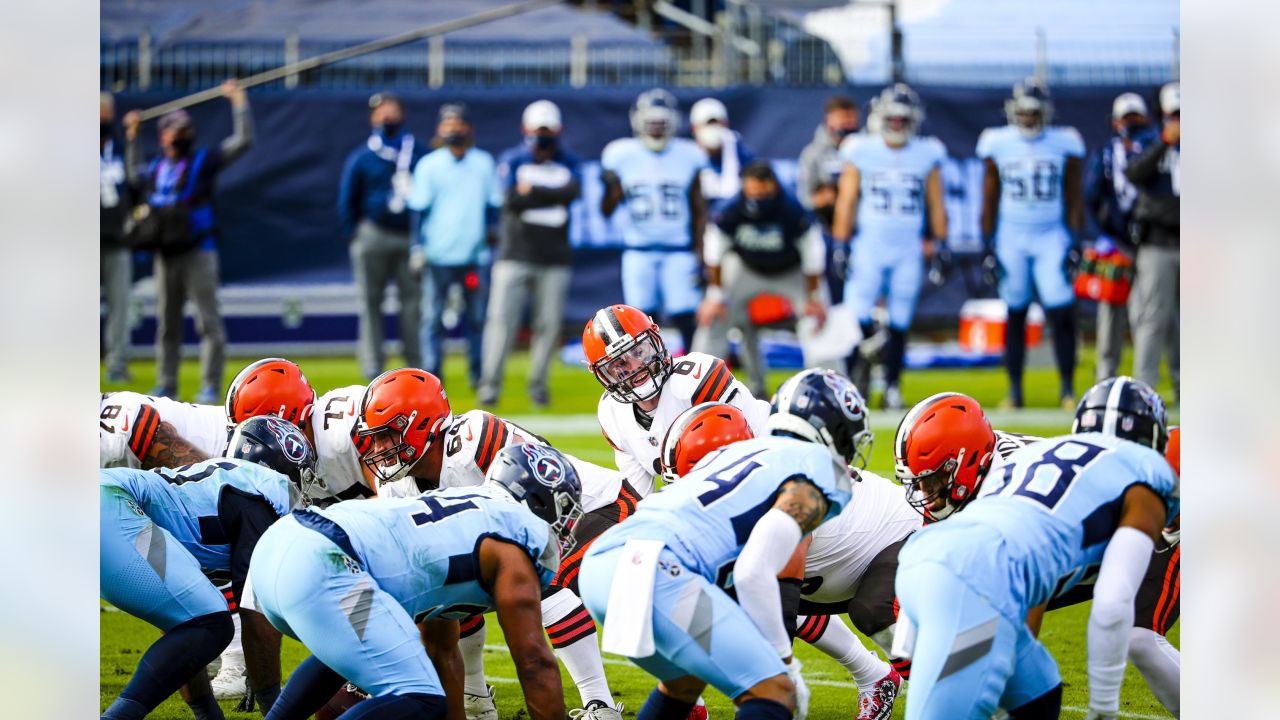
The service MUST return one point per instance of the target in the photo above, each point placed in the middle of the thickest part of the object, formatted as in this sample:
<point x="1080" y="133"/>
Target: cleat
<point x="877" y="703"/>
<point x="480" y="707"/>
<point x="230" y="683"/>
<point x="597" y="710"/>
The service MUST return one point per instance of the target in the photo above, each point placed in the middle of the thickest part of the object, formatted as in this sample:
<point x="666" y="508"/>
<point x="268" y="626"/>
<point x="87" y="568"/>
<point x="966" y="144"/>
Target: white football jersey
<point x="1006" y="444"/>
<point x="473" y="441"/>
<point x="696" y="378"/>
<point x="1031" y="172"/>
<point x="843" y="547"/>
<point x="655" y="188"/>
<point x="333" y="416"/>
<point x="127" y="423"/>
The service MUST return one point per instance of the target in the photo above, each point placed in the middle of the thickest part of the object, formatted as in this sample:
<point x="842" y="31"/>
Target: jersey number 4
<point x="1046" y="480"/>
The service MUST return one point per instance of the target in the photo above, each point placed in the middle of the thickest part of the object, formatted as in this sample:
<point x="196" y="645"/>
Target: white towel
<point x="628" y="624"/>
<point x="828" y="347"/>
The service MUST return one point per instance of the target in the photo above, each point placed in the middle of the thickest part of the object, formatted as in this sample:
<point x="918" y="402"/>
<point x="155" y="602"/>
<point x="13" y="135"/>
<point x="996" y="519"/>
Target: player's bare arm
<point x="805" y="504"/>
<point x="934" y="205"/>
<point x="612" y="196"/>
<point x="990" y="197"/>
<point x="1034" y="617"/>
<point x="508" y="571"/>
<point x="846" y="203"/>
<point x="1073" y="193"/>
<point x="440" y="638"/>
<point x="1143" y="510"/>
<point x="169" y="449"/>
<point x="697" y="215"/>
<point x="795" y="566"/>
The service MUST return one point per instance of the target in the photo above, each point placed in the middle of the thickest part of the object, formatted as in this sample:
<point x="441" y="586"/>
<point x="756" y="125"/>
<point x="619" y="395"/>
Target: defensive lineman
<point x="1033" y="201"/>
<point x="656" y="176"/>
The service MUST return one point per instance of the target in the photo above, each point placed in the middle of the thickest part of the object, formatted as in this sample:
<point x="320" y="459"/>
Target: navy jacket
<point x="366" y="187"/>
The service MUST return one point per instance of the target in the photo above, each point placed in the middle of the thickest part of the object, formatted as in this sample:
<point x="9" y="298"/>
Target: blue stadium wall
<point x="276" y="206"/>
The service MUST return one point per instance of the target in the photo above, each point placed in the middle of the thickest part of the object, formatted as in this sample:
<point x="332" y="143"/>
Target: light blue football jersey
<point x="1046" y="522"/>
<point x="891" y="198"/>
<point x="184" y="500"/>
<point x="422" y="550"/>
<point x="655" y="186"/>
<point x="707" y="517"/>
<point x="1031" y="171"/>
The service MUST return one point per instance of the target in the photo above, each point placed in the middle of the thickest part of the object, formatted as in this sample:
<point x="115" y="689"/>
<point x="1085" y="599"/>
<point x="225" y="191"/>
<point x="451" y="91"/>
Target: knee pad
<point x="1045" y="707"/>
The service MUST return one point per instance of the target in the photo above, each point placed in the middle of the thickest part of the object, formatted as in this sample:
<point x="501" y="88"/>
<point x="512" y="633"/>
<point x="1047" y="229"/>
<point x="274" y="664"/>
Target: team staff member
<point x="726" y="155"/>
<point x="372" y="210"/>
<point x="761" y="242"/>
<point x="1032" y="205"/>
<point x="456" y="197"/>
<point x="534" y="261"/>
<point x="656" y="175"/>
<point x="116" y="271"/>
<point x="187" y="175"/>
<point x="819" y="175"/>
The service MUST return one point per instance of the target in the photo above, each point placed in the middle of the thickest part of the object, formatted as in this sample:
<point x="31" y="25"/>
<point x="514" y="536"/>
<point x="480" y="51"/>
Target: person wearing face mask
<point x="181" y="183"/>
<point x="116" y="271"/>
<point x="454" y="201"/>
<point x="761" y="242"/>
<point x="1109" y="199"/>
<point x="373" y="213"/>
<point x="726" y="155"/>
<point x="534" y="260"/>
<point x="818" y="175"/>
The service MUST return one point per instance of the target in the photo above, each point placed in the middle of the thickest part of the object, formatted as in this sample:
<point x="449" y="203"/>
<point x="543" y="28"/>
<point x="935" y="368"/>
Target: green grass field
<point x="575" y="392"/>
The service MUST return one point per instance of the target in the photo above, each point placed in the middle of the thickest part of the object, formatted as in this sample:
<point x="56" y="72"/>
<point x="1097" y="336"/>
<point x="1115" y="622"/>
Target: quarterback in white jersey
<point x="141" y="431"/>
<point x="890" y="201"/>
<point x="1033" y="200"/>
<point x="656" y="176"/>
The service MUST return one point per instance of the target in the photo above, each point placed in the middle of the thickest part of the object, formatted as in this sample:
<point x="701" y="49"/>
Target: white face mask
<point x="710" y="137"/>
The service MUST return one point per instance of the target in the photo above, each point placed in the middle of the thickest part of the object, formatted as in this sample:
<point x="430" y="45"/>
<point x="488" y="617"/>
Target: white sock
<point x="575" y="641"/>
<point x="472" y="648"/>
<point x="1160" y="664"/>
<point x="839" y="642"/>
<point x="233" y="656"/>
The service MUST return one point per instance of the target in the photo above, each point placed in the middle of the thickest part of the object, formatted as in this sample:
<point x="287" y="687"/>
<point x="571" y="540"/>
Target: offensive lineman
<point x="1032" y="205"/>
<point x="891" y="193"/>
<point x="353" y="581"/>
<point x="656" y="175"/>
<point x="1059" y="511"/>
<point x="656" y="580"/>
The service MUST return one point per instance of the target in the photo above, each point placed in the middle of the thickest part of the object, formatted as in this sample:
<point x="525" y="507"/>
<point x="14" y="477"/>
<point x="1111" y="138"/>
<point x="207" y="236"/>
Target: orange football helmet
<point x="401" y="413"/>
<point x="696" y="433"/>
<point x="942" y="452"/>
<point x="626" y="353"/>
<point x="1173" y="449"/>
<point x="273" y="386"/>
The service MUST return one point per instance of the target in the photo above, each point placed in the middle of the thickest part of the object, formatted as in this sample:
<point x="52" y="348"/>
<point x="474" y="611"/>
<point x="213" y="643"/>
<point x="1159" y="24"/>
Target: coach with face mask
<point x="372" y="207"/>
<point x="454" y="199"/>
<point x="180" y="185"/>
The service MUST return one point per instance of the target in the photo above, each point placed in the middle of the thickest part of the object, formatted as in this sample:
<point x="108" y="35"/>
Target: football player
<point x="656" y="176"/>
<point x="645" y="390"/>
<point x="1086" y="504"/>
<point x="163" y="531"/>
<point x="847" y="565"/>
<point x="890" y="191"/>
<point x="352" y="582"/>
<point x="657" y="580"/>
<point x="1032" y="205"/>
<point x="145" y="432"/>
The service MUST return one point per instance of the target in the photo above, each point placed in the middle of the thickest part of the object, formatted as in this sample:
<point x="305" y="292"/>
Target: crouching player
<point x="657" y="580"/>
<point x="353" y="581"/>
<point x="163" y="530"/>
<point x="1058" y="511"/>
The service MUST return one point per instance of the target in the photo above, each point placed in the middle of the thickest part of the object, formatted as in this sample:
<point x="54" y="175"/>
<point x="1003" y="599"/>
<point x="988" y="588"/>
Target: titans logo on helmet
<point x="848" y="397"/>
<point x="545" y="467"/>
<point x="293" y="444"/>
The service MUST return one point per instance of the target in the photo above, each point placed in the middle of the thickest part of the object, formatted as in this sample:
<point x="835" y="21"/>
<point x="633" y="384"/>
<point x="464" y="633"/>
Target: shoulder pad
<point x="478" y="436"/>
<point x="700" y="378"/>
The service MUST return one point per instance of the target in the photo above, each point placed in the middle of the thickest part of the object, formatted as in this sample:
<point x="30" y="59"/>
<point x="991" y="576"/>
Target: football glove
<point x="990" y="269"/>
<point x="940" y="265"/>
<point x="802" y="690"/>
<point x="840" y="260"/>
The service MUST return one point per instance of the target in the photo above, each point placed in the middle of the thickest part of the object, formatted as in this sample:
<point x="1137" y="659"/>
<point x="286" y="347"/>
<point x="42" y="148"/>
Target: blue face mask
<point x="764" y="207"/>
<point x="390" y="130"/>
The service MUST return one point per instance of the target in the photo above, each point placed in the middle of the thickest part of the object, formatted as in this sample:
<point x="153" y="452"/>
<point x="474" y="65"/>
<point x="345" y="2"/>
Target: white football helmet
<point x="655" y="118"/>
<point x="1030" y="98"/>
<point x="899" y="112"/>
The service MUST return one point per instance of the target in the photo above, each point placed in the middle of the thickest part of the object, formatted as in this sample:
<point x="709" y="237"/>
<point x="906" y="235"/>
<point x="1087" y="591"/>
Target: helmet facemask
<point x="568" y="512"/>
<point x="386" y="450"/>
<point x="1029" y="110"/>
<point x="925" y="489"/>
<point x="635" y="371"/>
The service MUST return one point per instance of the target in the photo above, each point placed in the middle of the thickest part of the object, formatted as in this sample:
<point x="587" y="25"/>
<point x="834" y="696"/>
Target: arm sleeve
<point x="349" y="193"/>
<point x="755" y="574"/>
<point x="713" y="245"/>
<point x="241" y="138"/>
<point x="1123" y="566"/>
<point x="1145" y="167"/>
<point x="813" y="252"/>
<point x="419" y="199"/>
<point x="244" y="518"/>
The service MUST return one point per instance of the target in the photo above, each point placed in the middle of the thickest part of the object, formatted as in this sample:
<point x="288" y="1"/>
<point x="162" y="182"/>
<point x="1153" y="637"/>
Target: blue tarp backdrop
<point x="276" y="206"/>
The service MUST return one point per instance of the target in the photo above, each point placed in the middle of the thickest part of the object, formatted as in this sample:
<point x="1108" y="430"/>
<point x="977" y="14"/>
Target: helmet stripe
<point x="1111" y="413"/>
<point x="912" y="417"/>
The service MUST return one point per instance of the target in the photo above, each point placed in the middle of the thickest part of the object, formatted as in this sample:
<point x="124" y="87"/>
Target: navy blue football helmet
<point x="277" y="444"/>
<point x="1030" y="98"/>
<point x="824" y="407"/>
<point x="655" y="117"/>
<point x="1126" y="408"/>
<point x="542" y="479"/>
